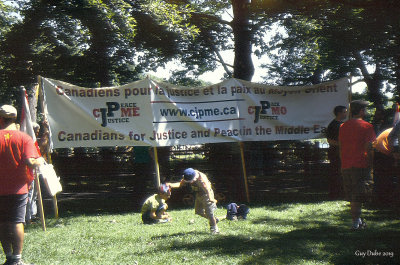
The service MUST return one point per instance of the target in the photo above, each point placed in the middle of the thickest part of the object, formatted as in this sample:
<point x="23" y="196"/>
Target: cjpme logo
<point x="116" y="112"/>
<point x="267" y="111"/>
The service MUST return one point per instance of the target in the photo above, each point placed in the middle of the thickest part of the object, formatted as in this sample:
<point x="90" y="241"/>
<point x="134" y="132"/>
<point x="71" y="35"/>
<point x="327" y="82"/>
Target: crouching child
<point x="154" y="209"/>
<point x="205" y="203"/>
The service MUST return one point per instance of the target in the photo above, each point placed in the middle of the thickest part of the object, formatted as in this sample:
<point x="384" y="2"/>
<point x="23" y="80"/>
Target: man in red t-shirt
<point x="18" y="153"/>
<point x="355" y="142"/>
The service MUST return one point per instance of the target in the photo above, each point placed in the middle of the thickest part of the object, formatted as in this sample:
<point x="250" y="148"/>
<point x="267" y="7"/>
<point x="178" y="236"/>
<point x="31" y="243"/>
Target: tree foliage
<point x="331" y="39"/>
<point x="106" y="42"/>
<point x="6" y="21"/>
<point x="89" y="43"/>
<point x="109" y="42"/>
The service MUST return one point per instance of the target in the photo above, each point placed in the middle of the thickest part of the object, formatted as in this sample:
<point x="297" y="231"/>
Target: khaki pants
<point x="203" y="206"/>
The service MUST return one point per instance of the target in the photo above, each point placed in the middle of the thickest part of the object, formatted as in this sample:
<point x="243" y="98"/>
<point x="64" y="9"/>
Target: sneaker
<point x="214" y="231"/>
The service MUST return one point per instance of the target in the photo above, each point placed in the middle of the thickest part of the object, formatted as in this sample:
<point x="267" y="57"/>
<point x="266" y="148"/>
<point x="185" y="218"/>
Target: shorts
<point x="357" y="184"/>
<point x="204" y="207"/>
<point x="13" y="208"/>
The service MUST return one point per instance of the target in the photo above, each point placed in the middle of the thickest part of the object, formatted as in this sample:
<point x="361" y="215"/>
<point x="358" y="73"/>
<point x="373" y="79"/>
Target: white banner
<point x="153" y="113"/>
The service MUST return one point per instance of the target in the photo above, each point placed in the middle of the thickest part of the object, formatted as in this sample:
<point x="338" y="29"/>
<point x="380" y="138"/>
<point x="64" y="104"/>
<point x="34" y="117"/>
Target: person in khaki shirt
<point x="205" y="203"/>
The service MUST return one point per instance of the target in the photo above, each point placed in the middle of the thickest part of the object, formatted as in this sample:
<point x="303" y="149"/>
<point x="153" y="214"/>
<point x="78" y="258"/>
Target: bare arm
<point x="175" y="185"/>
<point x="34" y="162"/>
<point x="370" y="154"/>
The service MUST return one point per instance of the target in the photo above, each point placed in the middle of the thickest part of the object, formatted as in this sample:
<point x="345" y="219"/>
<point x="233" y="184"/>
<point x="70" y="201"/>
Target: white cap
<point x="8" y="111"/>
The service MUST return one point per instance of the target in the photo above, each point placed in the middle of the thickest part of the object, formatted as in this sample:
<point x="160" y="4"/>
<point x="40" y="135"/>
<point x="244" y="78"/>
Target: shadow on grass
<point x="185" y="234"/>
<point x="312" y="240"/>
<point x="315" y="238"/>
<point x="322" y="244"/>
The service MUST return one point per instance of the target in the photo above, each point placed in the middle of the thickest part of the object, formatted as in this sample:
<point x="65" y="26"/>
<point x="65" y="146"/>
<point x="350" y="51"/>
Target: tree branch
<point x="362" y="66"/>
<point x="222" y="62"/>
<point x="216" y="51"/>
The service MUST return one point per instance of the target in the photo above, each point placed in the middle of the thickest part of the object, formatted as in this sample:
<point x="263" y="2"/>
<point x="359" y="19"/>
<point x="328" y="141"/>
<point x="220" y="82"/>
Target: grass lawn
<point x="274" y="233"/>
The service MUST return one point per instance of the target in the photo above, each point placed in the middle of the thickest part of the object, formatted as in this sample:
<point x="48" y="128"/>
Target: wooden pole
<point x="55" y="206"/>
<point x="41" y="211"/>
<point x="156" y="167"/>
<point x="244" y="171"/>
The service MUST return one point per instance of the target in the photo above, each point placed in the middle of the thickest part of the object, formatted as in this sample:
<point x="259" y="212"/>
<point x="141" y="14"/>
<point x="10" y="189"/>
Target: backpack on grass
<point x="235" y="211"/>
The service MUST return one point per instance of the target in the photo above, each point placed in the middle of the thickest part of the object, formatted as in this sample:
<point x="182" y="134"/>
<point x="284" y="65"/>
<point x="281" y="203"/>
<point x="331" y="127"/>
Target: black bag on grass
<point x="235" y="211"/>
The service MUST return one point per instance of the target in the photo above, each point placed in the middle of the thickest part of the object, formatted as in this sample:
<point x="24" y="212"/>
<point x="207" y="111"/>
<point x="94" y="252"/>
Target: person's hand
<point x="35" y="162"/>
<point x="40" y="161"/>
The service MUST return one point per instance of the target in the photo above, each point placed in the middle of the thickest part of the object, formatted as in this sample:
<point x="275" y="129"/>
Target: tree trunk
<point x="243" y="64"/>
<point x="316" y="78"/>
<point x="374" y="88"/>
<point x="374" y="82"/>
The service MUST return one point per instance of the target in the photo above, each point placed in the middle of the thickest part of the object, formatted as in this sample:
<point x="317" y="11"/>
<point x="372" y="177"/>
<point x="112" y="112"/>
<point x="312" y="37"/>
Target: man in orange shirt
<point x="355" y="142"/>
<point x="17" y="153"/>
<point x="387" y="142"/>
<point x="385" y="163"/>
